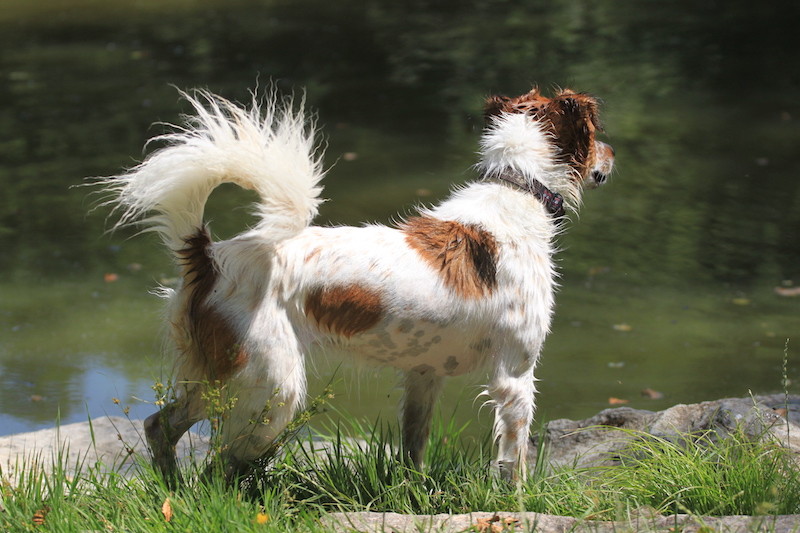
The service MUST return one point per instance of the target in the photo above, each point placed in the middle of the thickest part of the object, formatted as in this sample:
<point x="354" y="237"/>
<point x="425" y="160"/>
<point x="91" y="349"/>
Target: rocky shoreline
<point x="117" y="443"/>
<point x="545" y="523"/>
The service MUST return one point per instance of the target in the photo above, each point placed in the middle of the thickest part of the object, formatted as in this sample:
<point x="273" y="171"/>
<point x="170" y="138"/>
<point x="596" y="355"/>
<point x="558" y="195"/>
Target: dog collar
<point x="553" y="202"/>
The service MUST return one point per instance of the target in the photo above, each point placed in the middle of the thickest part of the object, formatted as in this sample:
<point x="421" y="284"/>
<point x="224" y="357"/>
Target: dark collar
<point x="553" y="202"/>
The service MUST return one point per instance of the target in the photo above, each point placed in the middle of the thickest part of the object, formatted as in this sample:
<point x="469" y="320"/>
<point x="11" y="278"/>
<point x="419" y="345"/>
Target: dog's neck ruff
<point x="552" y="201"/>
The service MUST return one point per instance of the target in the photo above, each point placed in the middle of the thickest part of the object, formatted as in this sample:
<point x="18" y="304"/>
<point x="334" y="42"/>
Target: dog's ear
<point x="579" y="107"/>
<point x="575" y="119"/>
<point x="531" y="103"/>
<point x="495" y="105"/>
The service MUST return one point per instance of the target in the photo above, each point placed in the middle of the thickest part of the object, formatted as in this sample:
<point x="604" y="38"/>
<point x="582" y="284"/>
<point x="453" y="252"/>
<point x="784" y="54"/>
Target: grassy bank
<point x="697" y="475"/>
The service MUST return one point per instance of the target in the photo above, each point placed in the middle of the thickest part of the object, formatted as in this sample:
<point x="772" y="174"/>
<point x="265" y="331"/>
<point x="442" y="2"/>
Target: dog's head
<point x="572" y="120"/>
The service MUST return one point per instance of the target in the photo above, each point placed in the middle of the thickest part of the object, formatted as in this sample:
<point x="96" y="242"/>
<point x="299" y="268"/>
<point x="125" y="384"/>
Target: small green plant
<point x="785" y="384"/>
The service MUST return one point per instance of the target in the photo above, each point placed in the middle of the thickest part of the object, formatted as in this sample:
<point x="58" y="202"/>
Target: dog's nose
<point x="598" y="177"/>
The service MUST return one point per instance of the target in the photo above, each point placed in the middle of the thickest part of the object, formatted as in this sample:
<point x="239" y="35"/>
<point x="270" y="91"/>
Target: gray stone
<point x="110" y="443"/>
<point x="590" y="443"/>
<point x="543" y="523"/>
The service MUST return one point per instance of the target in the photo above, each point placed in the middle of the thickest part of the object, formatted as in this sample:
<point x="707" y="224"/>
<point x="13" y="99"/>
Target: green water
<point x="668" y="275"/>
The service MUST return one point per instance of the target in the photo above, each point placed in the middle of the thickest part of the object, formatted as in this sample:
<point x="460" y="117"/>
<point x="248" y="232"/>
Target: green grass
<point x="697" y="475"/>
<point x="704" y="475"/>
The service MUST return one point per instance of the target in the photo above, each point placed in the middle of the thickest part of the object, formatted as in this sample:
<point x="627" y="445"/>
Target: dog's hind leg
<point x="166" y="427"/>
<point x="512" y="391"/>
<point x="249" y="433"/>
<point x="266" y="397"/>
<point x="422" y="388"/>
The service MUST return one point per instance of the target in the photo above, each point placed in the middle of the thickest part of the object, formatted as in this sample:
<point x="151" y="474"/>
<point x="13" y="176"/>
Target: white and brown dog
<point x="466" y="283"/>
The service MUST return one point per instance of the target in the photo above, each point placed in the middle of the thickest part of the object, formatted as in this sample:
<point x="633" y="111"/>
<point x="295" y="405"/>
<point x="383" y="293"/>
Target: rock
<point x="116" y="443"/>
<point x="111" y="443"/>
<point x="367" y="522"/>
<point x="589" y="442"/>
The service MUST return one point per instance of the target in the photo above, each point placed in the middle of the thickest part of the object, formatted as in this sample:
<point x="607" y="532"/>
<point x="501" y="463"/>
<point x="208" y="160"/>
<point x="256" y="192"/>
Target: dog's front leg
<point x="512" y="391"/>
<point x="165" y="428"/>
<point x="422" y="388"/>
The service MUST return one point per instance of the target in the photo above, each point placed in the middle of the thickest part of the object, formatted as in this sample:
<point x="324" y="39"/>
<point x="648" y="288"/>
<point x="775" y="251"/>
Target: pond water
<point x="676" y="278"/>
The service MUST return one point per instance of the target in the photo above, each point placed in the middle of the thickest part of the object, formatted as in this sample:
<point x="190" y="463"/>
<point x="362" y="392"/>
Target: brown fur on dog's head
<point x="571" y="117"/>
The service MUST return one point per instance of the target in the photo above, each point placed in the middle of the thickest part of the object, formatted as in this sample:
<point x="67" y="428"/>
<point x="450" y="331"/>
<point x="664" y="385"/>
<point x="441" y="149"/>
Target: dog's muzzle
<point x="603" y="165"/>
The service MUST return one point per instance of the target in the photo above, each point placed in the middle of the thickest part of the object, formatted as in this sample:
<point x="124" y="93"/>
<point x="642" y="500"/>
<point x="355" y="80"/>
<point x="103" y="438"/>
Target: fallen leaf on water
<point x="350" y="156"/>
<point x="652" y="394"/>
<point x="110" y="277"/>
<point x="789" y="292"/>
<point x="166" y="510"/>
<point x="593" y="271"/>
<point x="741" y="301"/>
<point x="36" y="397"/>
<point x="423" y="192"/>
<point x="617" y="401"/>
<point x="622" y="327"/>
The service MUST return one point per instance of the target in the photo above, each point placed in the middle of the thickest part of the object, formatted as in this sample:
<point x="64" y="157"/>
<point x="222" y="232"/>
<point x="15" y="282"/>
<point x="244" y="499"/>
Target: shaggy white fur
<point x="269" y="149"/>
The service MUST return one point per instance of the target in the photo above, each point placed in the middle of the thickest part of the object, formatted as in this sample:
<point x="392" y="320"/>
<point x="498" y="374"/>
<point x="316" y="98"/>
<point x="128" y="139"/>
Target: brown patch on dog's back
<point x="345" y="310"/>
<point x="214" y="342"/>
<point x="571" y="117"/>
<point x="464" y="255"/>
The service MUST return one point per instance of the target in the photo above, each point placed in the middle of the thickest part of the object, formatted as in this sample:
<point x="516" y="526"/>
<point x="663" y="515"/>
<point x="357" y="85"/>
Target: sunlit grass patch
<point x="699" y="474"/>
<point x="707" y="475"/>
<point x="361" y="468"/>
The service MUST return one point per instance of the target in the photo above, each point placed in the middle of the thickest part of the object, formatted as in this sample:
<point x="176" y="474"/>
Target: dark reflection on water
<point x="669" y="273"/>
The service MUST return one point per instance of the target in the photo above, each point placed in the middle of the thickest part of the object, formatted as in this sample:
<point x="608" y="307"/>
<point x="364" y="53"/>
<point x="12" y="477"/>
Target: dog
<point x="464" y="285"/>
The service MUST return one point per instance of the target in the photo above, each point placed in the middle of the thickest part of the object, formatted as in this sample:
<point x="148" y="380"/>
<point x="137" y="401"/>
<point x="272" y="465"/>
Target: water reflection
<point x="683" y="248"/>
<point x="78" y="394"/>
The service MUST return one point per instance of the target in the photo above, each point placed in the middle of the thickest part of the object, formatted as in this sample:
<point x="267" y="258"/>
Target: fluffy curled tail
<point x="268" y="148"/>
